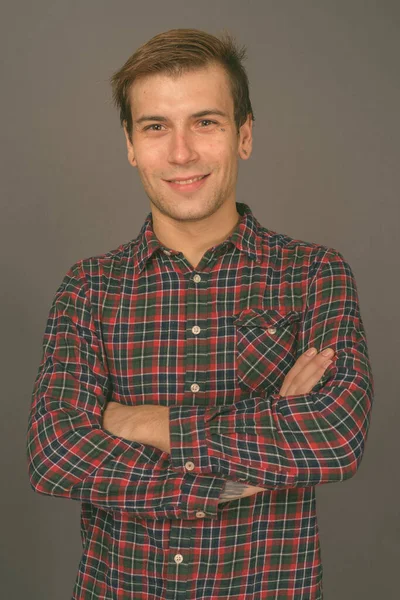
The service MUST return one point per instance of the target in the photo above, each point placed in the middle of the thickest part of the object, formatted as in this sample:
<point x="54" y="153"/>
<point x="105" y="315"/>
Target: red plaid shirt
<point x="140" y="325"/>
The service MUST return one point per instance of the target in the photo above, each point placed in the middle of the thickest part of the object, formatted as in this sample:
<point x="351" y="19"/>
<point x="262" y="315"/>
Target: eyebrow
<point x="202" y="113"/>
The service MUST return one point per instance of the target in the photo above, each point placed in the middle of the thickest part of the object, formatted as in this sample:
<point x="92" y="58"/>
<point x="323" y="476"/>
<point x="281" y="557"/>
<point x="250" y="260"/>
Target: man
<point x="198" y="382"/>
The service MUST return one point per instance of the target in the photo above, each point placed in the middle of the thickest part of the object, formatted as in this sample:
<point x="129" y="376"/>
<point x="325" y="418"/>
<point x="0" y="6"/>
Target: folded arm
<point x="270" y="441"/>
<point x="71" y="455"/>
<point x="150" y="424"/>
<point x="276" y="441"/>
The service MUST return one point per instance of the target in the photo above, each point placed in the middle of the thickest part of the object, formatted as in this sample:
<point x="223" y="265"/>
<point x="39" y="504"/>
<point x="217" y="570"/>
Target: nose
<point x="182" y="148"/>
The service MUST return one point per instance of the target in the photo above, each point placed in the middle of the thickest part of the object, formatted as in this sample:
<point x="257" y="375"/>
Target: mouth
<point x="188" y="185"/>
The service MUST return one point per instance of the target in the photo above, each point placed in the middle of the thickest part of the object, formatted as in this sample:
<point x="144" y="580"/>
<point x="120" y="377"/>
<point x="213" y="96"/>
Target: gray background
<point x="324" y="82"/>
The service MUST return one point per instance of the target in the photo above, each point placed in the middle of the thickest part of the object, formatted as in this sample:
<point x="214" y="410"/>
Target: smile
<point x="187" y="181"/>
<point x="188" y="185"/>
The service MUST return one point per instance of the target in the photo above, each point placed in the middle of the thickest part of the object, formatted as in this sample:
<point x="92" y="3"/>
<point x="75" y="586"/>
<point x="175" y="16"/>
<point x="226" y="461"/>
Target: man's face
<point x="175" y="142"/>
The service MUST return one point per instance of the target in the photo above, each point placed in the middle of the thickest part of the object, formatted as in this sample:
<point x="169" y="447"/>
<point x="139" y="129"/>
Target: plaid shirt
<point x="140" y="325"/>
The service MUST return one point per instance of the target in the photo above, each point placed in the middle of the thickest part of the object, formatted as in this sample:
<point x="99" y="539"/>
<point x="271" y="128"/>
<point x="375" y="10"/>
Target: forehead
<point x="162" y="93"/>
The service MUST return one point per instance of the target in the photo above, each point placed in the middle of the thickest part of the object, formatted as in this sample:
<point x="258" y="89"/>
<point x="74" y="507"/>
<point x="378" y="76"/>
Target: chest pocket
<point x="266" y="344"/>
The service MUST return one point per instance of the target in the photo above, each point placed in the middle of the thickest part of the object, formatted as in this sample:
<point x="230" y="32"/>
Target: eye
<point x="208" y="121"/>
<point x="151" y="127"/>
<point x="154" y="125"/>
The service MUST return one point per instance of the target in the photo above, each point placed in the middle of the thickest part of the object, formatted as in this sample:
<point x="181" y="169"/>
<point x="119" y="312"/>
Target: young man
<point x="177" y="398"/>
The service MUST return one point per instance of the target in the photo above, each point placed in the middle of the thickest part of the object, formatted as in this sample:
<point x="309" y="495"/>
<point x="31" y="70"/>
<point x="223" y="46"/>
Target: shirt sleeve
<point x="275" y="441"/>
<point x="70" y="455"/>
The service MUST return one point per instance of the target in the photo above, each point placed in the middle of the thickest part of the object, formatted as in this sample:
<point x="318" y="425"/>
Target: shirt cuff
<point x="188" y="447"/>
<point x="200" y="496"/>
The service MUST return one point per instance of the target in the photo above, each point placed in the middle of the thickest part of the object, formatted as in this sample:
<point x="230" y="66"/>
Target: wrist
<point x="232" y="490"/>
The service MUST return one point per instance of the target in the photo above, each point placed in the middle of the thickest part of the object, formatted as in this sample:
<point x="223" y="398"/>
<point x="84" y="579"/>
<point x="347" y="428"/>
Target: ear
<point x="129" y="147"/>
<point x="246" y="138"/>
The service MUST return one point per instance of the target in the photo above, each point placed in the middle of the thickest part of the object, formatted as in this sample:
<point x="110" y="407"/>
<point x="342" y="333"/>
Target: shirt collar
<point x="245" y="237"/>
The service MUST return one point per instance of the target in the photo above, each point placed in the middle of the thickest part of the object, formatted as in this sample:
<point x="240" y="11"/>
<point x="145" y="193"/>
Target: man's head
<point x="169" y="93"/>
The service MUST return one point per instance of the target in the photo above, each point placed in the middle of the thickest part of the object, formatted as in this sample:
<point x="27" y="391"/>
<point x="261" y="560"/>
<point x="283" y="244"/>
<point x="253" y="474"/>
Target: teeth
<point x="187" y="181"/>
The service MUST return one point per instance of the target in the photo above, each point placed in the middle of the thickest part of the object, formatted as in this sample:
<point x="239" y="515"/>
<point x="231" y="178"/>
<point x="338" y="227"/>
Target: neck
<point x="194" y="238"/>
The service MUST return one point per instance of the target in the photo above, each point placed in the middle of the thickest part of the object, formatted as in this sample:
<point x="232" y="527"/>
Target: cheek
<point x="150" y="165"/>
<point x="147" y="176"/>
<point x="220" y="155"/>
<point x="150" y="154"/>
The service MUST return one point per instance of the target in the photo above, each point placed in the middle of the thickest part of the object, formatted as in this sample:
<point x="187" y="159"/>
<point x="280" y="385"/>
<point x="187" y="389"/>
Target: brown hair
<point x="177" y="51"/>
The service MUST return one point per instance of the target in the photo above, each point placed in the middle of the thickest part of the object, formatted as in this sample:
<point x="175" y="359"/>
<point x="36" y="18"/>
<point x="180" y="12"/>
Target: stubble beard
<point x="181" y="209"/>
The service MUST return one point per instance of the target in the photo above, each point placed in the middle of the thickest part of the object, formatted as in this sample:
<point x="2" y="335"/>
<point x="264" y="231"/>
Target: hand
<point x="302" y="377"/>
<point x="235" y="489"/>
<point x="248" y="491"/>
<point x="306" y="372"/>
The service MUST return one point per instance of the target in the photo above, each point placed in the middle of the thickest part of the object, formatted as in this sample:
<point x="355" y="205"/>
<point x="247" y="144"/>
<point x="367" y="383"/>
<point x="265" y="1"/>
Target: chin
<point x="191" y="212"/>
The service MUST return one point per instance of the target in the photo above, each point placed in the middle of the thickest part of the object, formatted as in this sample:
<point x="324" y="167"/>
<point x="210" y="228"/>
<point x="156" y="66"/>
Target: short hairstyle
<point x="177" y="51"/>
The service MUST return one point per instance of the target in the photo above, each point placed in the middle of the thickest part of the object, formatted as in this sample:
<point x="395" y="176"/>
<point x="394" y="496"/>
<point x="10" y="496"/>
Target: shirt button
<point x="196" y="329"/>
<point x="189" y="465"/>
<point x="178" y="558"/>
<point x="196" y="278"/>
<point x="194" y="387"/>
<point x="200" y="513"/>
<point x="271" y="330"/>
<point x="167" y="252"/>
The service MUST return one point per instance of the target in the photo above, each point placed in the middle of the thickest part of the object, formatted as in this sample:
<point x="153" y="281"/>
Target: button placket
<point x="180" y="560"/>
<point x="197" y="302"/>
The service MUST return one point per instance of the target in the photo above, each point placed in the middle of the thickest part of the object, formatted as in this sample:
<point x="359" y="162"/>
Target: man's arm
<point x="277" y="441"/>
<point x="149" y="424"/>
<point x="70" y="454"/>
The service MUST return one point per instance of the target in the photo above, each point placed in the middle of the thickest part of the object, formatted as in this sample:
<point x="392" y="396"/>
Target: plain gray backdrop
<point x="324" y="83"/>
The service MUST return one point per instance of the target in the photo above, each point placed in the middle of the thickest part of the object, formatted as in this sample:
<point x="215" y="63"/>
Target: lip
<point x="187" y="177"/>
<point x="189" y="187"/>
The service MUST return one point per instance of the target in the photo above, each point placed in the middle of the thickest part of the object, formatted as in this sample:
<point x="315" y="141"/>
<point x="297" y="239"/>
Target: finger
<point x="297" y="376"/>
<point x="304" y="383"/>
<point x="302" y="361"/>
<point x="315" y="379"/>
<point x="318" y="362"/>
